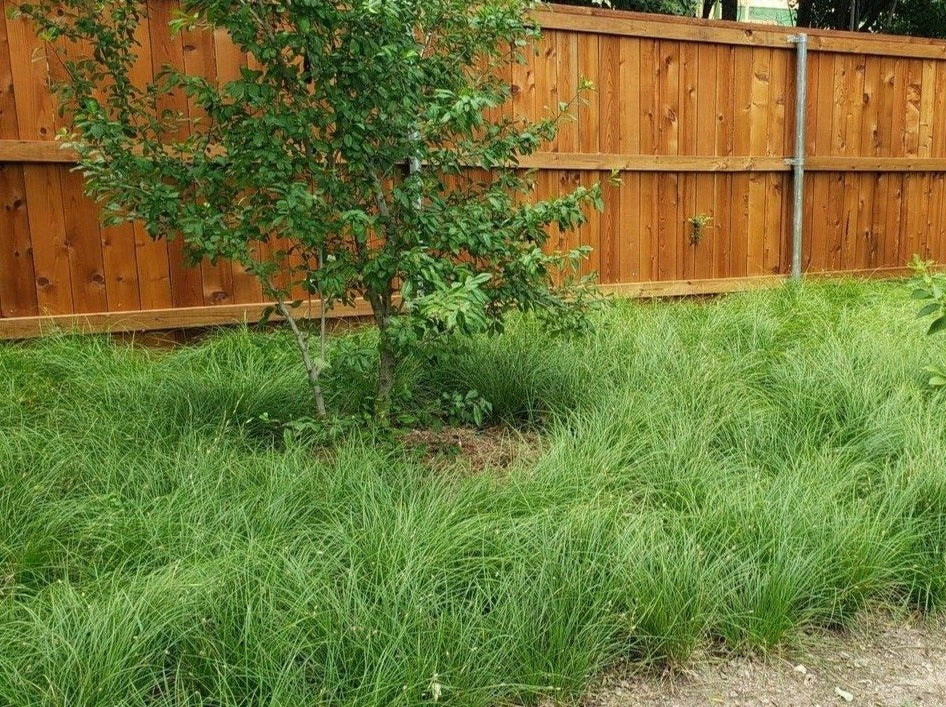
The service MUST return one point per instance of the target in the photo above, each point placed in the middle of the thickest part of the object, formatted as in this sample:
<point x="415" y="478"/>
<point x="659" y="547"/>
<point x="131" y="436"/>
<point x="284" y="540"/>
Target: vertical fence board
<point x="649" y="73"/>
<point x="776" y="145"/>
<point x="668" y="184"/>
<point x="629" y="142"/>
<point x="609" y="97"/>
<point x="723" y="232"/>
<point x="758" y="141"/>
<point x="589" y="133"/>
<point x="84" y="242"/>
<point x="17" y="280"/>
<point x="705" y="190"/>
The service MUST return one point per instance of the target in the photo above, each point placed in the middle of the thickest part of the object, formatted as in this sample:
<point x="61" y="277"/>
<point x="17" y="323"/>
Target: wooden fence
<point x="697" y="116"/>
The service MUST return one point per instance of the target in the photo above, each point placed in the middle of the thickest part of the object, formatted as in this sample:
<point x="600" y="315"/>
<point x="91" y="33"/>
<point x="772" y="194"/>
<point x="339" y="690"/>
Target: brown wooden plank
<point x="629" y="249"/>
<point x="546" y="81"/>
<point x="725" y="111"/>
<point x="8" y="123"/>
<point x="776" y="232"/>
<point x="159" y="319"/>
<point x="841" y="91"/>
<point x="649" y="73"/>
<point x="609" y="224"/>
<point x="758" y="141"/>
<point x="668" y="140"/>
<point x="17" y="288"/>
<point x="936" y="224"/>
<point x="687" y="145"/>
<point x="743" y="112"/>
<point x="84" y="243"/>
<point x="598" y="161"/>
<point x="853" y="121"/>
<point x="120" y="265"/>
<point x="629" y="107"/>
<point x="811" y="125"/>
<point x="684" y="288"/>
<point x="609" y="98"/>
<point x="914" y="92"/>
<point x="566" y="49"/>
<point x="787" y="121"/>
<point x="938" y="149"/>
<point x="914" y="187"/>
<point x="878" y="88"/>
<point x="894" y="224"/>
<point x="609" y="95"/>
<point x="925" y="150"/>
<point x="523" y="86"/>
<point x="939" y="115"/>
<point x="705" y="187"/>
<point x="154" y="270"/>
<point x="17" y="279"/>
<point x="589" y="130"/>
<point x="48" y="235"/>
<point x="35" y="107"/>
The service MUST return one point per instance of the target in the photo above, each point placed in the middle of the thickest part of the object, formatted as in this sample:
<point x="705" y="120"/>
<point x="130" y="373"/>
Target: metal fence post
<point x="798" y="161"/>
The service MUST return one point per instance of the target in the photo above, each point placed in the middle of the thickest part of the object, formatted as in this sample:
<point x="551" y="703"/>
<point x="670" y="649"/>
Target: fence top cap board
<point x="639" y="24"/>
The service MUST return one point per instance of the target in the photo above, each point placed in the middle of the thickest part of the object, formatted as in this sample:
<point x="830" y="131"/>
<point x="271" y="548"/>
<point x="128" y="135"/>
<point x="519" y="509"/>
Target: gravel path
<point x="880" y="662"/>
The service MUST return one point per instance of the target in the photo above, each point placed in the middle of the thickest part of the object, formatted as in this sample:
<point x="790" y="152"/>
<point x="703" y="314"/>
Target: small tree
<point x="356" y="138"/>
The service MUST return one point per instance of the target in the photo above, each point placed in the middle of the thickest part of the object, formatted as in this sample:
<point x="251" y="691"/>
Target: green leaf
<point x="928" y="309"/>
<point x="937" y="326"/>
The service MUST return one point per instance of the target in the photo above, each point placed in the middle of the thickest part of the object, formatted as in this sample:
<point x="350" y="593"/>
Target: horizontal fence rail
<point x="696" y="117"/>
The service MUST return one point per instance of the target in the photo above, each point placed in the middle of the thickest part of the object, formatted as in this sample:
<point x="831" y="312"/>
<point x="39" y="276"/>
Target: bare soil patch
<point x="473" y="450"/>
<point x="882" y="661"/>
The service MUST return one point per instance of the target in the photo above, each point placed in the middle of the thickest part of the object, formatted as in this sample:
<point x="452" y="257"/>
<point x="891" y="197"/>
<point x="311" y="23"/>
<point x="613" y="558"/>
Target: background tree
<point x="355" y="161"/>
<point x="729" y="9"/>
<point x="925" y="18"/>
<point x="663" y="7"/>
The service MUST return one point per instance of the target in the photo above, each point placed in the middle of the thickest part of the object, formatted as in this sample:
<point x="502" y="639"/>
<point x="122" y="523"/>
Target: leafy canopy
<point x="352" y="157"/>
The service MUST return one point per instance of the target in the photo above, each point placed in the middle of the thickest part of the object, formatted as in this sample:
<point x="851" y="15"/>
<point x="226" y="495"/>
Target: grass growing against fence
<point x="722" y="472"/>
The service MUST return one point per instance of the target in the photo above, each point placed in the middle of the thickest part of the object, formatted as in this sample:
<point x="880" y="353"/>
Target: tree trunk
<point x="386" y="366"/>
<point x="731" y="10"/>
<point x="387" y="355"/>
<point x="708" y="6"/>
<point x="313" y="369"/>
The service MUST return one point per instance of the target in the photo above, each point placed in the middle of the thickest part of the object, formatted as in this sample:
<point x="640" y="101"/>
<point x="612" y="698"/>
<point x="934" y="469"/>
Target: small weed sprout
<point x="929" y="286"/>
<point x="698" y="224"/>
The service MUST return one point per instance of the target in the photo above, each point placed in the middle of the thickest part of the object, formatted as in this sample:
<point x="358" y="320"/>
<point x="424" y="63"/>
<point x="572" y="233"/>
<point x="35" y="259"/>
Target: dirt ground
<point x="472" y="451"/>
<point x="883" y="661"/>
